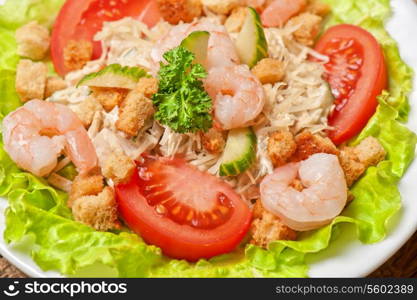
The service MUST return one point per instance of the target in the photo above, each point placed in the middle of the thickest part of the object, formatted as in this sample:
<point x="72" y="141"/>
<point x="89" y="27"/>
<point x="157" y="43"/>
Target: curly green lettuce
<point x="38" y="210"/>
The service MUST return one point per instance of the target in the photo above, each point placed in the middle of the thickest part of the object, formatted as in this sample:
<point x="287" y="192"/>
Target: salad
<point x="204" y="138"/>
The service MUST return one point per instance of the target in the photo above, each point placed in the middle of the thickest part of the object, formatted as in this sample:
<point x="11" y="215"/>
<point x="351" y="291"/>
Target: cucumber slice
<point x="114" y="76"/>
<point x="239" y="153"/>
<point x="251" y="42"/>
<point x="69" y="172"/>
<point x="197" y="43"/>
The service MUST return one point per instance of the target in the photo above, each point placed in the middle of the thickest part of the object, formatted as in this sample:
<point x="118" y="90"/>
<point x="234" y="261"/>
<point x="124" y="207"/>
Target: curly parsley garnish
<point x="181" y="101"/>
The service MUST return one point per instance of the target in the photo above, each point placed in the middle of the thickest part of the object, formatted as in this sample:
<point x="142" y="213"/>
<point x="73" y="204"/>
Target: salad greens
<point x="181" y="101"/>
<point x="37" y="210"/>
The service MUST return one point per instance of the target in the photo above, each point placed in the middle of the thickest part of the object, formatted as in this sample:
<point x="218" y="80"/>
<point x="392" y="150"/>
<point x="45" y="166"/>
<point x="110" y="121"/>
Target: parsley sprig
<point x="181" y="101"/>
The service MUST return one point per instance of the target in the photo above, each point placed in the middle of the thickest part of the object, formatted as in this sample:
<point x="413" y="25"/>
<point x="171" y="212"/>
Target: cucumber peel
<point x="114" y="76"/>
<point x="239" y="153"/>
<point x="251" y="42"/>
<point x="197" y="43"/>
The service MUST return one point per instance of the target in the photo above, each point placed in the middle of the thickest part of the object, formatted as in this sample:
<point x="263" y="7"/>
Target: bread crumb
<point x="133" y="113"/>
<point x="77" y="54"/>
<point x="98" y="211"/>
<point x="32" y="41"/>
<point x="281" y="147"/>
<point x="175" y="11"/>
<point x="266" y="227"/>
<point x="31" y="80"/>
<point x="269" y="70"/>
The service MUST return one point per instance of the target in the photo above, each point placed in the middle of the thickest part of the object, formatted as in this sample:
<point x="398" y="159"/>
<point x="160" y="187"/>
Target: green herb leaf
<point x="182" y="102"/>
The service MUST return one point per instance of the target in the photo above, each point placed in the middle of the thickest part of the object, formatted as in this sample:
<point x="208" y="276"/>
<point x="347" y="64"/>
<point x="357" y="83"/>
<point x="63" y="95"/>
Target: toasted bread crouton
<point x="266" y="227"/>
<point x="32" y="41"/>
<point x="222" y="7"/>
<point x="316" y="7"/>
<point x="118" y="167"/>
<point x="175" y="11"/>
<point x="370" y="152"/>
<point x="109" y="98"/>
<point x="133" y="113"/>
<point x="309" y="144"/>
<point x="87" y="109"/>
<point x="236" y="19"/>
<point x="98" y="211"/>
<point x="308" y="27"/>
<point x="147" y="86"/>
<point x="84" y="185"/>
<point x="281" y="146"/>
<point x="351" y="165"/>
<point x="213" y="141"/>
<point x="355" y="160"/>
<point x="31" y="80"/>
<point x="54" y="84"/>
<point x="269" y="70"/>
<point x="77" y="54"/>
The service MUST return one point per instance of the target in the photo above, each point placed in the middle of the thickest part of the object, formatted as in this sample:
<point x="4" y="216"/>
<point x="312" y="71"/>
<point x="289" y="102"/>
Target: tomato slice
<point x="189" y="214"/>
<point x="356" y="73"/>
<point x="82" y="19"/>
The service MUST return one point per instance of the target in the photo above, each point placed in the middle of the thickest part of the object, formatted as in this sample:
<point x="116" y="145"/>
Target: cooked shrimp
<point x="37" y="133"/>
<point x="238" y="96"/>
<point x="221" y="50"/>
<point x="279" y="12"/>
<point x="322" y="199"/>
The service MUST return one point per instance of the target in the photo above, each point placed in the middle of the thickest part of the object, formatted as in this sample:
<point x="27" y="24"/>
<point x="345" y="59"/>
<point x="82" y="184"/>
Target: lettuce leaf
<point x="38" y="210"/>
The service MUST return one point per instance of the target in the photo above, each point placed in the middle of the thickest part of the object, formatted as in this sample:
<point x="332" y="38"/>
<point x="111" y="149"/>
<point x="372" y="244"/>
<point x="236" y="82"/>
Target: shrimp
<point x="37" y="133"/>
<point x="278" y="12"/>
<point x="238" y="96"/>
<point x="221" y="49"/>
<point x="322" y="199"/>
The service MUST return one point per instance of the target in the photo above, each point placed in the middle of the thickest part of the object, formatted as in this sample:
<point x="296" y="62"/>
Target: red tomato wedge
<point x="189" y="214"/>
<point x="82" y="19"/>
<point x="356" y="73"/>
<point x="280" y="11"/>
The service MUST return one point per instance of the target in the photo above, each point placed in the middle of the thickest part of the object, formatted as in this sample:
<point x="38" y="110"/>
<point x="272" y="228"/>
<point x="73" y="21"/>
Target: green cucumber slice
<point x="239" y="153"/>
<point x="251" y="42"/>
<point x="114" y="76"/>
<point x="197" y="43"/>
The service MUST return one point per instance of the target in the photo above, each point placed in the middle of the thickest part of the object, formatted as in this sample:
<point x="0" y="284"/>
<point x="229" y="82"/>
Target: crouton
<point x="31" y="80"/>
<point x="32" y="41"/>
<point x="174" y="11"/>
<point x="98" y="211"/>
<point x="133" y="113"/>
<point x="87" y="109"/>
<point x="147" y="86"/>
<point x="118" y="167"/>
<point x="370" y="152"/>
<point x="213" y="141"/>
<point x="84" y="185"/>
<point x="222" y="7"/>
<point x="54" y="84"/>
<point x="309" y="144"/>
<point x="236" y="19"/>
<point x="269" y="70"/>
<point x="109" y="97"/>
<point x="351" y="166"/>
<point x="281" y="146"/>
<point x="355" y="160"/>
<point x="316" y="7"/>
<point x="308" y="27"/>
<point x="266" y="227"/>
<point x="77" y="54"/>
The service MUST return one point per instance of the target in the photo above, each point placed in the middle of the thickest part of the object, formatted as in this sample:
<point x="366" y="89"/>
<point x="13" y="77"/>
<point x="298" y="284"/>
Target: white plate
<point x="346" y="257"/>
